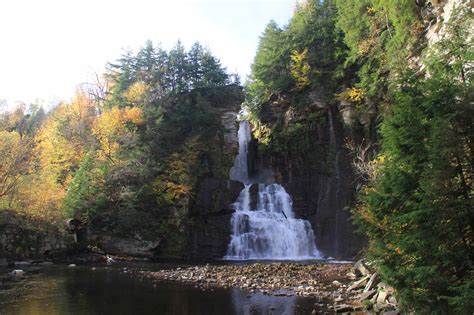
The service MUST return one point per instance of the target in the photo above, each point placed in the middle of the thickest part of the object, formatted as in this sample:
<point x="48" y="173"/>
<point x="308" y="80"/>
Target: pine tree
<point x="418" y="215"/>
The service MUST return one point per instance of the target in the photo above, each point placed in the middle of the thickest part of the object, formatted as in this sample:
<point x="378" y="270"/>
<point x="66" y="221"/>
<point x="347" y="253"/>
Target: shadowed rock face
<point x="211" y="213"/>
<point x="319" y="177"/>
<point x="198" y="225"/>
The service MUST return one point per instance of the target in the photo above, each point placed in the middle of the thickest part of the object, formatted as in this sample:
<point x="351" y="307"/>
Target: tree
<point x="418" y="214"/>
<point x="177" y="66"/>
<point x="14" y="161"/>
<point x="271" y="65"/>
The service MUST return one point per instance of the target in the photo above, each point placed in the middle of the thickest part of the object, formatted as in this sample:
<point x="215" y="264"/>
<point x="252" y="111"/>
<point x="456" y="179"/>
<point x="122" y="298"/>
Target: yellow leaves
<point x="13" y="160"/>
<point x="136" y="92"/>
<point x="352" y="94"/>
<point x="112" y="125"/>
<point x="178" y="190"/>
<point x="300" y="68"/>
<point x="380" y="159"/>
<point x="133" y="115"/>
<point x="371" y="10"/>
<point x="262" y="134"/>
<point x="9" y="145"/>
<point x="364" y="46"/>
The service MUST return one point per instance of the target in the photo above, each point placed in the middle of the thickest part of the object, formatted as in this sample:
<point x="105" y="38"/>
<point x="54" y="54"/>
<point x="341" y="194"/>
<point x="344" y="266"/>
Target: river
<point x="114" y="290"/>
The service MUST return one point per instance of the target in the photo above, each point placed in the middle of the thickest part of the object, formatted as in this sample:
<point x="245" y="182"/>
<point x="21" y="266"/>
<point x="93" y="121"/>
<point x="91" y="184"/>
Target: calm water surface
<point x="81" y="290"/>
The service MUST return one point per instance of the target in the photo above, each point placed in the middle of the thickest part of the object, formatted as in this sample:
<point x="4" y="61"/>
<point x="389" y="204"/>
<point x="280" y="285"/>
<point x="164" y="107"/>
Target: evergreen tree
<point x="418" y="215"/>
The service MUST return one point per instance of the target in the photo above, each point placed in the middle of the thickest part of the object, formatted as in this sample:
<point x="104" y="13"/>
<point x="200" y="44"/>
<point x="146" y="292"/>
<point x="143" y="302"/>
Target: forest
<point x="128" y="154"/>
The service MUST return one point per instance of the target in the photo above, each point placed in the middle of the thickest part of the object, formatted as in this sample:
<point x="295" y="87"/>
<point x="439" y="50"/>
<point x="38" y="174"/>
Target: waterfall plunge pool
<point x="119" y="289"/>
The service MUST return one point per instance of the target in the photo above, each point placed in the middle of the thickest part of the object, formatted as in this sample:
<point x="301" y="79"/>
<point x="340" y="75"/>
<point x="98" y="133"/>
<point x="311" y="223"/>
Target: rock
<point x="351" y="275"/>
<point x="338" y="299"/>
<point x="72" y="265"/>
<point x="335" y="282"/>
<point x="367" y="295"/>
<point x="22" y="263"/>
<point x="134" y="246"/>
<point x="343" y="308"/>
<point x="46" y="263"/>
<point x="383" y="285"/>
<point x="358" y="284"/>
<point x="17" y="273"/>
<point x="374" y="298"/>
<point x="381" y="298"/>
<point x="371" y="282"/>
<point x="392" y="300"/>
<point x="361" y="268"/>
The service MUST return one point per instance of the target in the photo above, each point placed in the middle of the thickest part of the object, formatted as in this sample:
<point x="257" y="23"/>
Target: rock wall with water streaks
<point x="307" y="152"/>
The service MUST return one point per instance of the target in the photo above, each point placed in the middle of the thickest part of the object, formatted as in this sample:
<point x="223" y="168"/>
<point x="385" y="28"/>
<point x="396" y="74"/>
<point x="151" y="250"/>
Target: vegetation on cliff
<point x="343" y="78"/>
<point x="126" y="155"/>
<point x="411" y="139"/>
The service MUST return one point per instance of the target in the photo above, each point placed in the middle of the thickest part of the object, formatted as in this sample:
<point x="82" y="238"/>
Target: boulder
<point x="135" y="246"/>
<point x="367" y="295"/>
<point x="392" y="300"/>
<point x="373" y="279"/>
<point x="343" y="308"/>
<point x="361" y="268"/>
<point x="358" y="284"/>
<point x="17" y="273"/>
<point x="381" y="297"/>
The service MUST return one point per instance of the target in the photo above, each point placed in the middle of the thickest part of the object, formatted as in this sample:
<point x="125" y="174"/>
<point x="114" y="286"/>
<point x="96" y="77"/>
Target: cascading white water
<point x="240" y="171"/>
<point x="270" y="231"/>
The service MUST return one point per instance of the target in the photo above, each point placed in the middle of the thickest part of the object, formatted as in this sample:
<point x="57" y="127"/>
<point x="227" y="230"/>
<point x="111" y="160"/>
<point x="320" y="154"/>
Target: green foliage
<point x="307" y="53"/>
<point x="158" y="73"/>
<point x="418" y="214"/>
<point x="81" y="189"/>
<point x="379" y="35"/>
<point x="272" y="61"/>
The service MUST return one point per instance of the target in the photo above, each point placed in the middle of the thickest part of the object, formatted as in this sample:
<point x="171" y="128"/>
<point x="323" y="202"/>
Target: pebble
<point x="278" y="279"/>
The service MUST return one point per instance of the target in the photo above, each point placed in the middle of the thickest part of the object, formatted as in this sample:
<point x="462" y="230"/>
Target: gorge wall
<point x="308" y="152"/>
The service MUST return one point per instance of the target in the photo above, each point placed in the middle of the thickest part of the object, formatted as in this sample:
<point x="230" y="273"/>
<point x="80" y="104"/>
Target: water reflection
<point x="108" y="291"/>
<point x="245" y="304"/>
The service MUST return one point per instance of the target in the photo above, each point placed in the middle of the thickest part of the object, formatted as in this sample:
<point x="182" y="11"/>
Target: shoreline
<point x="337" y="287"/>
<point x="326" y="283"/>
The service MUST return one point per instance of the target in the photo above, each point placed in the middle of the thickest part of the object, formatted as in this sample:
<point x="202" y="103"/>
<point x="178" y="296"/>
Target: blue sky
<point x="48" y="47"/>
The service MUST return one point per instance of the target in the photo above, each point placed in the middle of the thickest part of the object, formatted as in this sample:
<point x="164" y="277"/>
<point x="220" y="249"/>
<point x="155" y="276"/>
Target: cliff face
<point x="186" y="212"/>
<point x="307" y="150"/>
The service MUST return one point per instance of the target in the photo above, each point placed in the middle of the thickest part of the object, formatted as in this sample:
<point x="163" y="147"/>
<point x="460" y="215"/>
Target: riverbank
<point x="324" y="282"/>
<point x="325" y="286"/>
<point x="155" y="281"/>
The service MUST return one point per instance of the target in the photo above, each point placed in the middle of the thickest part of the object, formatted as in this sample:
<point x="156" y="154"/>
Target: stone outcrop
<point x="23" y="237"/>
<point x="372" y="294"/>
<point x="134" y="246"/>
<point x="210" y="232"/>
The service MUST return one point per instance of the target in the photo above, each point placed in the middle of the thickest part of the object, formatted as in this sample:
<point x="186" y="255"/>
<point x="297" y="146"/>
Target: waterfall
<point x="240" y="170"/>
<point x="270" y="231"/>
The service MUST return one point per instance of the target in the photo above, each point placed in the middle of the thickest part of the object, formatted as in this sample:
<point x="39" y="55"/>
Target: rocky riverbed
<point x="334" y="287"/>
<point x="325" y="282"/>
<point x="341" y="287"/>
<point x="271" y="278"/>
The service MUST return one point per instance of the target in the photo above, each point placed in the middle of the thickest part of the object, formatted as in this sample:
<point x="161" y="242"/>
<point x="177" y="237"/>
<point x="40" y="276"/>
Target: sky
<point x="49" y="47"/>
